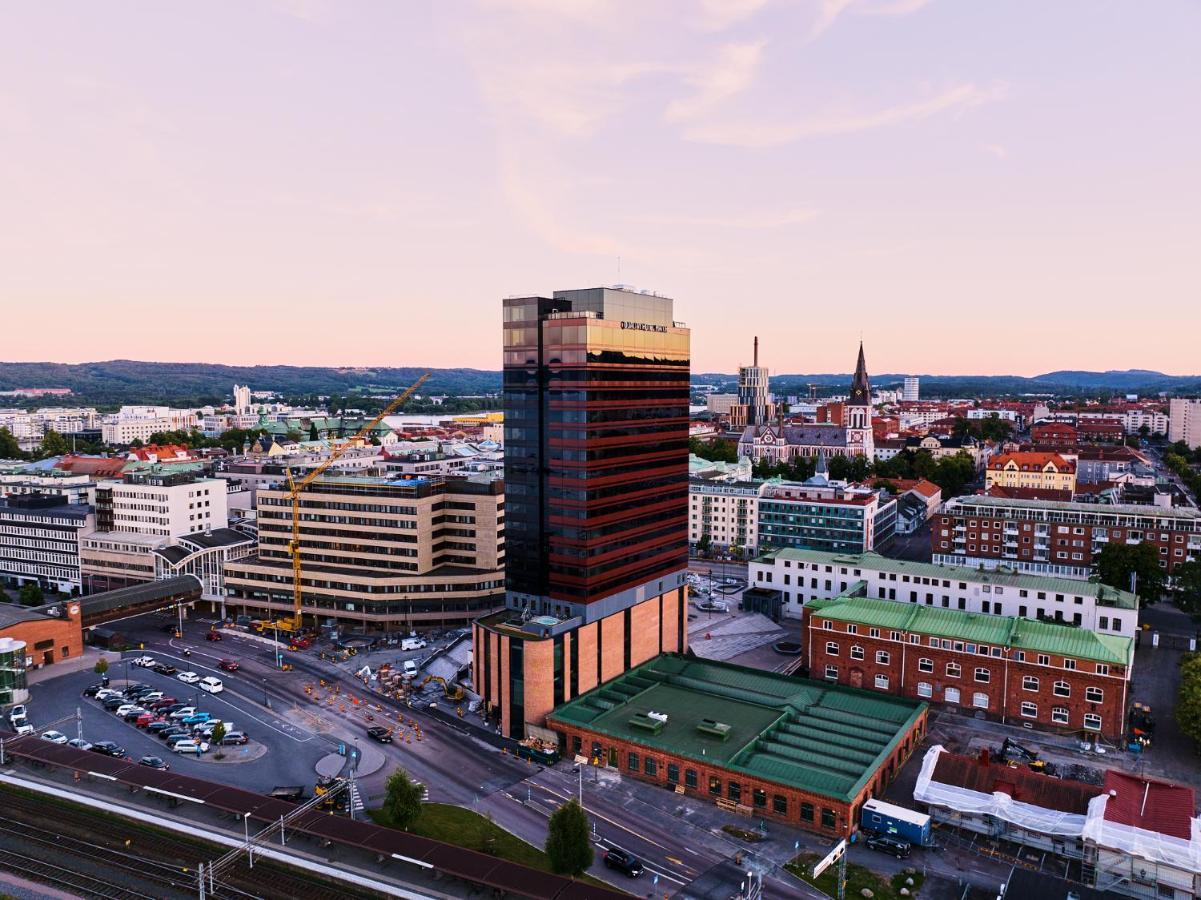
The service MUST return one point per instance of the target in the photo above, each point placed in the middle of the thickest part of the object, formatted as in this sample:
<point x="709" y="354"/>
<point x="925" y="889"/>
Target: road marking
<point x="645" y="865"/>
<point x="693" y="852"/>
<point x="602" y="818"/>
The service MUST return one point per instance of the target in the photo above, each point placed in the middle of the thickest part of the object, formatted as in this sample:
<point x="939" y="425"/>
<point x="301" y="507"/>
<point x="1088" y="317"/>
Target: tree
<point x="1117" y="562"/>
<point x="313" y="436"/>
<point x="1188" y="698"/>
<point x="402" y="799"/>
<point x="567" y="843"/>
<point x="217" y="737"/>
<point x="9" y="448"/>
<point x="1188" y="587"/>
<point x="31" y="594"/>
<point x="53" y="444"/>
<point x="101" y="666"/>
<point x="952" y="473"/>
<point x="718" y="450"/>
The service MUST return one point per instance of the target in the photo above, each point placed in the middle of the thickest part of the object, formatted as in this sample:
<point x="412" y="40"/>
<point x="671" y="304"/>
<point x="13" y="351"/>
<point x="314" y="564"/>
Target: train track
<point x="100" y="855"/>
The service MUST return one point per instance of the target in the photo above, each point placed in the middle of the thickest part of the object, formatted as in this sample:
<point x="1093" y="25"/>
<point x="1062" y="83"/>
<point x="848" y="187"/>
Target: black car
<point x="173" y="730"/>
<point x="153" y="762"/>
<point x="92" y="689"/>
<point x="133" y="714"/>
<point x="171" y="707"/>
<point x="156" y="727"/>
<point x="380" y="733"/>
<point x="164" y="669"/>
<point x="108" y="748"/>
<point x="113" y="703"/>
<point x="623" y="862"/>
<point x="890" y="845"/>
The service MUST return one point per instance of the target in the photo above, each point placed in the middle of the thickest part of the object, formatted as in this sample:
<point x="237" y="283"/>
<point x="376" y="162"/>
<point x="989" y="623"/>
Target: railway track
<point x="100" y="855"/>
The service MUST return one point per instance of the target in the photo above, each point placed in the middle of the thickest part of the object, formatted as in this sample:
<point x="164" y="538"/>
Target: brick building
<point x="48" y="638"/>
<point x="1057" y="538"/>
<point x="767" y="745"/>
<point x="1054" y="433"/>
<point x="1015" y="670"/>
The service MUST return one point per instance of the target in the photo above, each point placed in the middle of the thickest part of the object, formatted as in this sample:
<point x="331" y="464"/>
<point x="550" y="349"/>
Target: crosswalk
<point x="356" y="799"/>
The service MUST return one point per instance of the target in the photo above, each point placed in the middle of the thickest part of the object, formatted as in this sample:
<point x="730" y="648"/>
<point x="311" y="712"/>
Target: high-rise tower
<point x="753" y="407"/>
<point x="596" y="387"/>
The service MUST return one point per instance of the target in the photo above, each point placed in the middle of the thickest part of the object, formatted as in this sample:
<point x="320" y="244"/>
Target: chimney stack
<point x="756" y="363"/>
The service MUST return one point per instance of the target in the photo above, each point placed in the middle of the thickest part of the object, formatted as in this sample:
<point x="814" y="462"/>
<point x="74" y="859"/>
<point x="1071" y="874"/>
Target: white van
<point x="412" y="643"/>
<point x="211" y="684"/>
<point x="190" y="747"/>
<point x="408" y="669"/>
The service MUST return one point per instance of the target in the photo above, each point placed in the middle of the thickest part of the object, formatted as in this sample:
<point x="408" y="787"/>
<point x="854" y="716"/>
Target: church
<point x="781" y="442"/>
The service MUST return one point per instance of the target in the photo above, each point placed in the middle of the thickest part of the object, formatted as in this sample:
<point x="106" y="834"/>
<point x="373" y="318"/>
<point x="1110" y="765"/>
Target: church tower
<point x="858" y="417"/>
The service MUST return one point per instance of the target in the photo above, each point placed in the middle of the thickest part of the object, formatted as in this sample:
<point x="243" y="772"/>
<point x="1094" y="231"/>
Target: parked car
<point x="17" y="712"/>
<point x="206" y="728"/>
<point x="174" y="739"/>
<point x="623" y="861"/>
<point x="22" y="727"/>
<point x="195" y="719"/>
<point x="890" y="845"/>
<point x="172" y="731"/>
<point x="153" y="762"/>
<point x="54" y="737"/>
<point x="93" y="689"/>
<point x="213" y="635"/>
<point x="228" y="665"/>
<point x="413" y="643"/>
<point x="150" y="697"/>
<point x="183" y="712"/>
<point x="79" y="744"/>
<point x="235" y="738"/>
<point x="104" y="693"/>
<point x="124" y="708"/>
<point x="163" y="703"/>
<point x="108" y="748"/>
<point x="211" y="684"/>
<point x="145" y="661"/>
<point x="188" y="677"/>
<point x="380" y="733"/>
<point x="134" y="714"/>
<point x="158" y="726"/>
<point x="113" y="703"/>
<point x="144" y="720"/>
<point x="173" y="707"/>
<point x="137" y="686"/>
<point x="190" y="746"/>
<point x="165" y="669"/>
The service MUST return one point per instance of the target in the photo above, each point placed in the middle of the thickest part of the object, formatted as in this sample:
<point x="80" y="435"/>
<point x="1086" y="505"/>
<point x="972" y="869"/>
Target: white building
<point x="242" y="399"/>
<point x="1184" y="421"/>
<point x="1156" y="420"/>
<point x="804" y="575"/>
<point x="167" y="505"/>
<point x="721" y="404"/>
<point x="911" y="391"/>
<point x="138" y="423"/>
<point x="78" y="489"/>
<point x="728" y="513"/>
<point x="39" y="541"/>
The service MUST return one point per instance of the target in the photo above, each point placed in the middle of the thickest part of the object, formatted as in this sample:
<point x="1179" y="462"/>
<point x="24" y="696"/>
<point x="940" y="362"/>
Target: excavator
<point x="453" y="691"/>
<point x="293" y="624"/>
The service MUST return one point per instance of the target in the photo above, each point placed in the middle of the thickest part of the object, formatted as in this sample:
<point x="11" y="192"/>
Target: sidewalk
<point x="76" y="664"/>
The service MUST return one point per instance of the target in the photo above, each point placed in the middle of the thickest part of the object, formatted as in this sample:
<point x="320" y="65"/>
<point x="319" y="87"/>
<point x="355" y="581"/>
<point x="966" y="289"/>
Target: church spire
<point x="861" y="387"/>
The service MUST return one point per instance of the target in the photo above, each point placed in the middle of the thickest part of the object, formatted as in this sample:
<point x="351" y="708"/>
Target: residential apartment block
<point x="724" y="514"/>
<point x="1184" y="421"/>
<point x="378" y="554"/>
<point x="1045" y="471"/>
<point x="1057" y="538"/>
<point x="39" y="541"/>
<point x="138" y="423"/>
<point x="805" y="575"/>
<point x="1015" y="670"/>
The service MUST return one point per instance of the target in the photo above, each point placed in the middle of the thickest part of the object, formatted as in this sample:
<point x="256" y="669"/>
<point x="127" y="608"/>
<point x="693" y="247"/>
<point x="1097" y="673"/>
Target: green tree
<point x="953" y="473"/>
<point x="101" y="666"/>
<point x="313" y="436"/>
<point x="293" y="435"/>
<point x="1188" y="697"/>
<point x="217" y="737"/>
<point x="53" y="444"/>
<point x="717" y="450"/>
<point x="9" y="448"/>
<point x="1188" y="587"/>
<point x="31" y="594"/>
<point x="702" y="546"/>
<point x="567" y="843"/>
<point x="402" y="799"/>
<point x="1118" y="562"/>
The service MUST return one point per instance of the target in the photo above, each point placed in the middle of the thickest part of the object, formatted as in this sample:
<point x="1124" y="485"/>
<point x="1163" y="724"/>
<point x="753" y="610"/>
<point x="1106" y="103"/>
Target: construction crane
<point x="295" y="487"/>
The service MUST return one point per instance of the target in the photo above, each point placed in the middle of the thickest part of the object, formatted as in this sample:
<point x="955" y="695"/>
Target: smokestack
<point x="756" y="363"/>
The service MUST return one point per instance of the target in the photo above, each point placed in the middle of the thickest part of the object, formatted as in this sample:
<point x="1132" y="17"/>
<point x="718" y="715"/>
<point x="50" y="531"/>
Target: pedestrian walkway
<point x="71" y="665"/>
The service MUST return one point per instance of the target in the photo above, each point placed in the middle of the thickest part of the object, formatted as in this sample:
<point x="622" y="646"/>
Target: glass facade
<point x="13" y="687"/>
<point x="596" y="444"/>
<point x="831" y="528"/>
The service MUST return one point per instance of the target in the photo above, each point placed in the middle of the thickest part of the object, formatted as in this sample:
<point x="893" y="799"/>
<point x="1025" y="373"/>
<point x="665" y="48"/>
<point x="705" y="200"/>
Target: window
<point x="690" y="778"/>
<point x="779" y="804"/>
<point x="882" y="657"/>
<point x="828" y="625"/>
<point x="924" y="689"/>
<point x="760" y="798"/>
<point x="806" y="812"/>
<point x="925" y="665"/>
<point x="1092" y="721"/>
<point x="734" y="791"/>
<point x="1069" y="663"/>
<point x="633" y="762"/>
<point x="954" y="670"/>
<point x="1029" y="683"/>
<point x="673" y="773"/>
<point x="1094" y="694"/>
<point x="980" y="700"/>
<point x="856" y="652"/>
<point x="1062" y="689"/>
<point x="852" y="629"/>
<point x="1059" y="715"/>
<point x="873" y="632"/>
<point x="715" y="785"/>
<point x="982" y="676"/>
<point x="1044" y="660"/>
<point x="831" y="648"/>
<point x="882" y="682"/>
<point x="827" y="818"/>
<point x="832" y="673"/>
<point x="652" y="766"/>
<point x="951" y="695"/>
<point x="1029" y="710"/>
<point x="1102" y="669"/>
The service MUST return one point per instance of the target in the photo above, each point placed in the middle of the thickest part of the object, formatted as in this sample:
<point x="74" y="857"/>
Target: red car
<point x="145" y="719"/>
<point x="229" y="665"/>
<point x="213" y="635"/>
<point x="163" y="704"/>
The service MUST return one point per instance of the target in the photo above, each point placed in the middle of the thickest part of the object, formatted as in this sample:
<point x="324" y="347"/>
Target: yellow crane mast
<point x="295" y="487"/>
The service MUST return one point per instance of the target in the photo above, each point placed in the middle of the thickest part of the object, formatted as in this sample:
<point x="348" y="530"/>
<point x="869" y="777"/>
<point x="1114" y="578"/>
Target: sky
<point x="972" y="188"/>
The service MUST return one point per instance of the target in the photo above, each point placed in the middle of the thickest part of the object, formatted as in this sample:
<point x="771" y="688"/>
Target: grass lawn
<point x="465" y="828"/>
<point x="858" y="878"/>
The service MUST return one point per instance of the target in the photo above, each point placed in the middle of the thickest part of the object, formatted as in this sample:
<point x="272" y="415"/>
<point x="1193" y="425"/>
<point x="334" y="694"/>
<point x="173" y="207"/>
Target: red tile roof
<point x="1032" y="461"/>
<point x="96" y="466"/>
<point x="1149" y="804"/>
<point x="1021" y="784"/>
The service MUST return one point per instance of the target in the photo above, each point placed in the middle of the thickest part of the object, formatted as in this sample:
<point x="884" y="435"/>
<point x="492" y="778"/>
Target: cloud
<point x="828" y="12"/>
<point x="718" y="15"/>
<point x="996" y="150"/>
<point x="732" y="73"/>
<point x="894" y="8"/>
<point x="772" y="134"/>
<point x="748" y="221"/>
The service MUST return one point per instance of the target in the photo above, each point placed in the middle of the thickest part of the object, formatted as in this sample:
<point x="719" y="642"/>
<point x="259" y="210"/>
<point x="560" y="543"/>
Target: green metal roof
<point x="979" y="628"/>
<point x="811" y="735"/>
<point x="1104" y="594"/>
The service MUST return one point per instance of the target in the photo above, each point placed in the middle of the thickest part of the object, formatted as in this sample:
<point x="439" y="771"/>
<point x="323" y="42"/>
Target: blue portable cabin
<point x="895" y="821"/>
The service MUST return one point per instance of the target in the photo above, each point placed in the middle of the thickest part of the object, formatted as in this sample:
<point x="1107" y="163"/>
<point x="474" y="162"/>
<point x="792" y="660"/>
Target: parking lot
<point x="278" y="753"/>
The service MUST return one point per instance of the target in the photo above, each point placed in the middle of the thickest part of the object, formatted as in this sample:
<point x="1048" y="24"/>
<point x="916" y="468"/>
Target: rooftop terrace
<point x="822" y="738"/>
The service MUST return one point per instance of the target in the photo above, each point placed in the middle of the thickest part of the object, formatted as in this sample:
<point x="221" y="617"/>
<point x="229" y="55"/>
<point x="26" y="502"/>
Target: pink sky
<point x="975" y="187"/>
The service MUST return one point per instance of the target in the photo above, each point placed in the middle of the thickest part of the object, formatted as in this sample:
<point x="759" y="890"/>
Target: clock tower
<point x="859" y="412"/>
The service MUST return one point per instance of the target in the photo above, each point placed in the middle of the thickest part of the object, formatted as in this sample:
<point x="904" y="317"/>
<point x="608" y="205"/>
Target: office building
<point x="1057" y="538"/>
<point x="818" y="514"/>
<point x="1184" y="421"/>
<point x="806" y="575"/>
<point x="1015" y="670"/>
<point x="764" y="745"/>
<point x="166" y="504"/>
<point x="911" y="392"/>
<point x="754" y="406"/>
<point x="378" y="554"/>
<point x="721" y="404"/>
<point x="596" y="389"/>
<point x="39" y="541"/>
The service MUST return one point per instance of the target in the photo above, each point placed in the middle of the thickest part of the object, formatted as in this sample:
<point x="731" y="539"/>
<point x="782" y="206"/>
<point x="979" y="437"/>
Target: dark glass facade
<point x="596" y="447"/>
